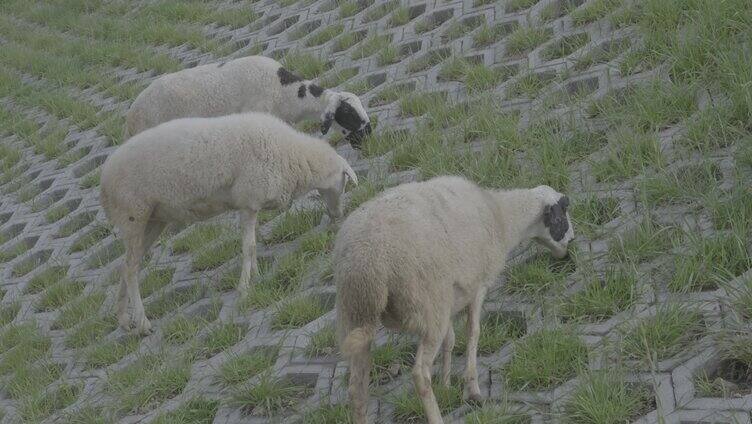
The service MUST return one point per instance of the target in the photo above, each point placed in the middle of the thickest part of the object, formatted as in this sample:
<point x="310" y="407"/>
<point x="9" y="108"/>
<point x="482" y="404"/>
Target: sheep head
<point x="346" y="111"/>
<point x="554" y="228"/>
<point x="333" y="187"/>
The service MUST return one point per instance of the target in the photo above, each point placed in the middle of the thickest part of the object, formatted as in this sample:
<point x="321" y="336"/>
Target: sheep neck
<point x="309" y="106"/>
<point x="310" y="165"/>
<point x="517" y="211"/>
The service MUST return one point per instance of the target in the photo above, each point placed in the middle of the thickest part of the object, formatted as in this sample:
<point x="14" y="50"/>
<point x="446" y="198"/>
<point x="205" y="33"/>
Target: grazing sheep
<point x="191" y="169"/>
<point x="253" y="83"/>
<point x="419" y="253"/>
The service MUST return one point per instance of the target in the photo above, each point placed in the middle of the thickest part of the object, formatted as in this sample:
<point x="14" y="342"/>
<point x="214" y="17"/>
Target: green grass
<point x="20" y="345"/>
<point x="195" y="411"/>
<point x="593" y="11"/>
<point x="293" y="224"/>
<point x="76" y="223"/>
<point x="106" y="354"/>
<point x="299" y="312"/>
<point x="40" y="406"/>
<point x="155" y="280"/>
<point x="647" y="241"/>
<point x="378" y="12"/>
<point x="46" y="278"/>
<point x="539" y="275"/>
<point x="327" y="414"/>
<point x="399" y="17"/>
<point x="525" y="39"/>
<point x="240" y="368"/>
<point x="420" y="103"/>
<point x="714" y="128"/>
<point x="198" y="237"/>
<point x="496" y="414"/>
<point x="59" y="294"/>
<point x="496" y="329"/>
<point x="323" y="343"/>
<point x="183" y="328"/>
<point x="171" y="301"/>
<point x="57" y="213"/>
<point x="491" y="34"/>
<point x="91" y="179"/>
<point x="324" y="35"/>
<point x="85" y="242"/>
<point x="91" y="331"/>
<point x="220" y="338"/>
<point x="106" y="255"/>
<point x="148" y="382"/>
<point x="514" y="6"/>
<point x="370" y="46"/>
<point x="305" y="64"/>
<point x="408" y="407"/>
<point x="629" y="154"/>
<point x="78" y="310"/>
<point x="603" y="397"/>
<point x="348" y="8"/>
<point x="681" y="185"/>
<point x="710" y="262"/>
<point x="565" y="46"/>
<point x="602" y="298"/>
<point x="274" y="286"/>
<point x="270" y="395"/>
<point x="345" y="41"/>
<point x="29" y="380"/>
<point x="602" y="54"/>
<point x="590" y="214"/>
<point x="529" y="85"/>
<point x="391" y="94"/>
<point x="545" y="359"/>
<point x="214" y="256"/>
<point x="427" y="61"/>
<point x="663" y="335"/>
<point x="15" y="251"/>
<point x="460" y="28"/>
<point x="8" y="313"/>
<point x="395" y="353"/>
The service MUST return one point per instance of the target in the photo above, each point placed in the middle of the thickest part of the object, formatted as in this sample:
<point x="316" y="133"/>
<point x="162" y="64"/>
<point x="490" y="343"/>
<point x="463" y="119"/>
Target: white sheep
<point x="191" y="169"/>
<point x="253" y="83"/>
<point x="414" y="256"/>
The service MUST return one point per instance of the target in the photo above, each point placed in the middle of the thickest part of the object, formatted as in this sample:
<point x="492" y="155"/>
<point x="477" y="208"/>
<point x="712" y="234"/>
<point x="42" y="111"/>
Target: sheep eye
<point x="344" y="132"/>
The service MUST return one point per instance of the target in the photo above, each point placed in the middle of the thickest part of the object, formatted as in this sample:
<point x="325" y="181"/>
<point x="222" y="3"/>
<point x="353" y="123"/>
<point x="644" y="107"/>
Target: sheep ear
<point x="564" y="202"/>
<point x="326" y="123"/>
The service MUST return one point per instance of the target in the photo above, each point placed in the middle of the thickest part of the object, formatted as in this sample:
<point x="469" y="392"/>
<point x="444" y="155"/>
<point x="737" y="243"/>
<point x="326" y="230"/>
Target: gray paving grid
<point x="672" y="382"/>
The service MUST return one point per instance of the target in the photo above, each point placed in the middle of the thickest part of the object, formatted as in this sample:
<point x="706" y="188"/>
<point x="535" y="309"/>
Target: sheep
<point x="414" y="256"/>
<point x="191" y="169"/>
<point x="253" y="83"/>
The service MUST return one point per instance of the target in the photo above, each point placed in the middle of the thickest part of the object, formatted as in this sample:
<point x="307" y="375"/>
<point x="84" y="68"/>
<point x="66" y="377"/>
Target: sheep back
<point x="244" y="84"/>
<point x="413" y="252"/>
<point x="191" y="168"/>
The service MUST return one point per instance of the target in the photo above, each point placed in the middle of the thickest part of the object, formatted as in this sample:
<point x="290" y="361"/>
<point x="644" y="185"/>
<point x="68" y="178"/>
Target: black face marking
<point x="328" y="118"/>
<point x="301" y="91"/>
<point x="286" y="77"/>
<point x="356" y="137"/>
<point x="315" y="90"/>
<point x="555" y="218"/>
<point x="347" y="117"/>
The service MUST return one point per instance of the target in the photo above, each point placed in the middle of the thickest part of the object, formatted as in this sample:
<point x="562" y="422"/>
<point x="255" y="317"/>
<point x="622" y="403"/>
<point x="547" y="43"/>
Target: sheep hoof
<point x="143" y="327"/>
<point x="475" y="398"/>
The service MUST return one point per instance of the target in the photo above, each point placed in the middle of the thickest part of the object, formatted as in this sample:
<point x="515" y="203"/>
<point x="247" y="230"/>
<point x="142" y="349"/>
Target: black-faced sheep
<point x="253" y="83"/>
<point x="416" y="255"/>
<point x="191" y="169"/>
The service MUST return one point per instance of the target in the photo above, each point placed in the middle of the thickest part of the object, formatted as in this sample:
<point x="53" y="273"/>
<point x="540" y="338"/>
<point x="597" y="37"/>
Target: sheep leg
<point x="134" y="253"/>
<point x="446" y="356"/>
<point x="473" y="334"/>
<point x="424" y="358"/>
<point x="250" y="266"/>
<point x="153" y="230"/>
<point x="360" y="374"/>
